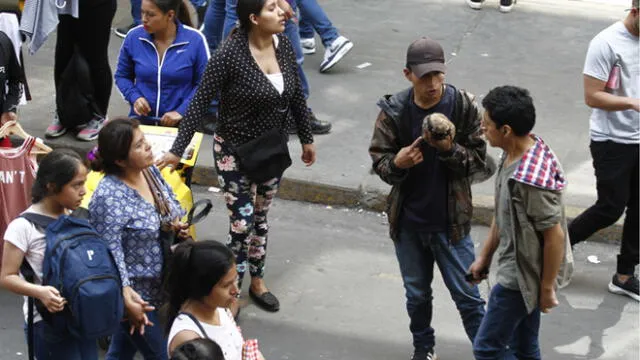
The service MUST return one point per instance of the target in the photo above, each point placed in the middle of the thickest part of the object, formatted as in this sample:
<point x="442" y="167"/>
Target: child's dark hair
<point x="513" y="106"/>
<point x="245" y="8"/>
<point x="198" y="349"/>
<point x="196" y="267"/>
<point x="114" y="142"/>
<point x="58" y="167"/>
<point x="178" y="6"/>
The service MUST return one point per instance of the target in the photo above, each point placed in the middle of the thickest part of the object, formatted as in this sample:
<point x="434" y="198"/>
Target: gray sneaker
<point x="90" y="132"/>
<point x="55" y="129"/>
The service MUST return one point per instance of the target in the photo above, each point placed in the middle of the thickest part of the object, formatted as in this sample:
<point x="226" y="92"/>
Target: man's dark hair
<point x="513" y="106"/>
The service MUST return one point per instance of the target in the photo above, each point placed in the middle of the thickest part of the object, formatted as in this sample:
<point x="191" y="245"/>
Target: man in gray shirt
<point x="528" y="230"/>
<point x="612" y="89"/>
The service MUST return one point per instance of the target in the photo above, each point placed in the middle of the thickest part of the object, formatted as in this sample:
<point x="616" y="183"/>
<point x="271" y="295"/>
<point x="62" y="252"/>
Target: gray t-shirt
<point x="507" y="270"/>
<point x="613" y="47"/>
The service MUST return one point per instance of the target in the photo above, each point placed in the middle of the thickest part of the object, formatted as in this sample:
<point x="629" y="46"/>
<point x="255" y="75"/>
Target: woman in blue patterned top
<point x="124" y="212"/>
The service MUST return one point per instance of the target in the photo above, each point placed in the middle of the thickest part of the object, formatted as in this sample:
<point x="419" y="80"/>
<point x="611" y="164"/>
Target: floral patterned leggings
<point x="248" y="204"/>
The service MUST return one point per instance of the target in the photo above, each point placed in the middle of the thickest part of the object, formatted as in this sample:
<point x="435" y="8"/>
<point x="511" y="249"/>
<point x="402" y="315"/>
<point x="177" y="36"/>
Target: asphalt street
<point x="336" y="275"/>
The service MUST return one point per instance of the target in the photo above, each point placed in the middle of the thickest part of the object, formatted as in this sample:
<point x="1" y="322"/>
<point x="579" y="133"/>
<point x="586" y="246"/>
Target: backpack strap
<point x="40" y="220"/>
<point x="29" y="274"/>
<point x="197" y="322"/>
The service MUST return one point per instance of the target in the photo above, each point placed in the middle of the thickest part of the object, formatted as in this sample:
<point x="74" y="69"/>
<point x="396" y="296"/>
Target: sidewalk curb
<point x="301" y="190"/>
<point x="318" y="193"/>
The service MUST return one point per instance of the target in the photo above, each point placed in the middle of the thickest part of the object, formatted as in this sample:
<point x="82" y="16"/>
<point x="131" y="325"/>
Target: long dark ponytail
<point x="178" y="6"/>
<point x="196" y="267"/>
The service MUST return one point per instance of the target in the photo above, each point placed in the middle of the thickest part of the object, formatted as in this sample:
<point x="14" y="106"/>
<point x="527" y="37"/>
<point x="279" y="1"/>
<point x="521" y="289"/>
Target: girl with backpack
<point x="58" y="189"/>
<point x="130" y="206"/>
<point x="202" y="286"/>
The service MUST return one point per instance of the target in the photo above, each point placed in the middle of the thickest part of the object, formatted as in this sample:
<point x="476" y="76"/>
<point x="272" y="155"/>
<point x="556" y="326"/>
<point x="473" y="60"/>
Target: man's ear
<point x="407" y="73"/>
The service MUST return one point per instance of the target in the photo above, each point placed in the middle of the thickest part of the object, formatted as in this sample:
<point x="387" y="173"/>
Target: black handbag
<point x="265" y="157"/>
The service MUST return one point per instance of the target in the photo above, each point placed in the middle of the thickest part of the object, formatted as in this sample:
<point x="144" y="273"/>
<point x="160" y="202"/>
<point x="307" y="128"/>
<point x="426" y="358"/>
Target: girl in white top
<point x="202" y="285"/>
<point x="58" y="188"/>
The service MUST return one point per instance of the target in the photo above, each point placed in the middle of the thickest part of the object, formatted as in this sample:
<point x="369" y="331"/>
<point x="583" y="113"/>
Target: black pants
<point x="617" y="182"/>
<point x="91" y="32"/>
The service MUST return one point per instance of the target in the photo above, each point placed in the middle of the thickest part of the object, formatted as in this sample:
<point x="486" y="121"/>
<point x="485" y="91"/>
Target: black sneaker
<point x="424" y="355"/>
<point x="475" y="4"/>
<point x="122" y="31"/>
<point x="319" y="127"/>
<point x="629" y="287"/>
<point x="506" y="5"/>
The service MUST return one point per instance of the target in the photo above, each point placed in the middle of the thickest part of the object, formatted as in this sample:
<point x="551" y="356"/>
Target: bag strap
<point x="29" y="274"/>
<point x="156" y="190"/>
<point x="30" y="330"/>
<point x="195" y="321"/>
<point x="194" y="219"/>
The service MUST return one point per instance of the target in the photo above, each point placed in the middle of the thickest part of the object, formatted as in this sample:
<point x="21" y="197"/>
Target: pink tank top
<point x="17" y="174"/>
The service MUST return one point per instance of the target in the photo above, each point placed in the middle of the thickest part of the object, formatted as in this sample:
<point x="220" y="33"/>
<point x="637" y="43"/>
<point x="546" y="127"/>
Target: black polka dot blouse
<point x="249" y="103"/>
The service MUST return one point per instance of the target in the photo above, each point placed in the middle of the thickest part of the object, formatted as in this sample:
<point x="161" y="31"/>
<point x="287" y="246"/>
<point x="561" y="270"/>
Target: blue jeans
<point x="292" y="32"/>
<point x="417" y="252"/>
<point x="152" y="345"/>
<point x="507" y="331"/>
<point x="49" y="345"/>
<point x="313" y="17"/>
<point x="219" y="20"/>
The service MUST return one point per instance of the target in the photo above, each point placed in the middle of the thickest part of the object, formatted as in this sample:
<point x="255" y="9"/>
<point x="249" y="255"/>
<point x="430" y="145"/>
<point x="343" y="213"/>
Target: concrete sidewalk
<point x="540" y="45"/>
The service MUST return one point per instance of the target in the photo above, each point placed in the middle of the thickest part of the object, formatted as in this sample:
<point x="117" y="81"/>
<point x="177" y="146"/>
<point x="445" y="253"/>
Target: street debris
<point x="593" y="259"/>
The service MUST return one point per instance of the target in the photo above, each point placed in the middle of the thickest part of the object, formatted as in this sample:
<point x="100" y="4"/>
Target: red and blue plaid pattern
<point x="250" y="350"/>
<point x="539" y="167"/>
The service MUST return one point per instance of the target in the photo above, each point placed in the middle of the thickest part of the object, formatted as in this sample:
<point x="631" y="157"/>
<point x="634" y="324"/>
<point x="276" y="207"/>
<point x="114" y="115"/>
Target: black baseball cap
<point x="425" y="55"/>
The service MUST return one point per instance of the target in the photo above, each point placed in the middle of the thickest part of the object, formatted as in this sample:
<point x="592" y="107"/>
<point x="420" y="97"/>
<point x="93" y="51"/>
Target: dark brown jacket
<point x="466" y="163"/>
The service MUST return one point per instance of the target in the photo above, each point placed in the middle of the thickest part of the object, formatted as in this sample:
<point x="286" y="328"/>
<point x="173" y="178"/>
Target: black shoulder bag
<point x="265" y="157"/>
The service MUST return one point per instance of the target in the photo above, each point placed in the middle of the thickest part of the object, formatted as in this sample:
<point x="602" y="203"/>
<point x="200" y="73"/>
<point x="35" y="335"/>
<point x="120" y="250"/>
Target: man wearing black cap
<point x="429" y="207"/>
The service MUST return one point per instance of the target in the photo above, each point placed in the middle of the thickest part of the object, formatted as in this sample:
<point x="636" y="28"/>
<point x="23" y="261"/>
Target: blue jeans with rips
<point x="313" y="17"/>
<point x="507" y="330"/>
<point x="417" y="252"/>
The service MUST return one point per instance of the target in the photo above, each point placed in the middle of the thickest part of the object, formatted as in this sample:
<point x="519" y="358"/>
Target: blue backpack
<point x="78" y="263"/>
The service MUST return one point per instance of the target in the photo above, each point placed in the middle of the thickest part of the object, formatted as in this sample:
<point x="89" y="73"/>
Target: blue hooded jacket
<point x="171" y="88"/>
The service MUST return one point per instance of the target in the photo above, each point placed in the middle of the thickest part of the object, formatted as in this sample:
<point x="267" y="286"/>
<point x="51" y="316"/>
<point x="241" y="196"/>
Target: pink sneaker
<point x="91" y="130"/>
<point x="55" y="129"/>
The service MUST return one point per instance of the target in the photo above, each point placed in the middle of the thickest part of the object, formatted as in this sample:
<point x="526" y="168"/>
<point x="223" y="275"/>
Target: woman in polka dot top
<point x="254" y="73"/>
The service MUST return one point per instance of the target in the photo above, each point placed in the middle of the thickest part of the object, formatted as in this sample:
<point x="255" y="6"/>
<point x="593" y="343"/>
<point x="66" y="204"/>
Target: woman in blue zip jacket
<point x="161" y="63"/>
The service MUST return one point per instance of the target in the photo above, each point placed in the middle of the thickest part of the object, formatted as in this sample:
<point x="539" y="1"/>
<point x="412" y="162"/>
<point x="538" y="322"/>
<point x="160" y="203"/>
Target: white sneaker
<point x="475" y="4"/>
<point x="338" y="49"/>
<point x="308" y="46"/>
<point x="506" y="5"/>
